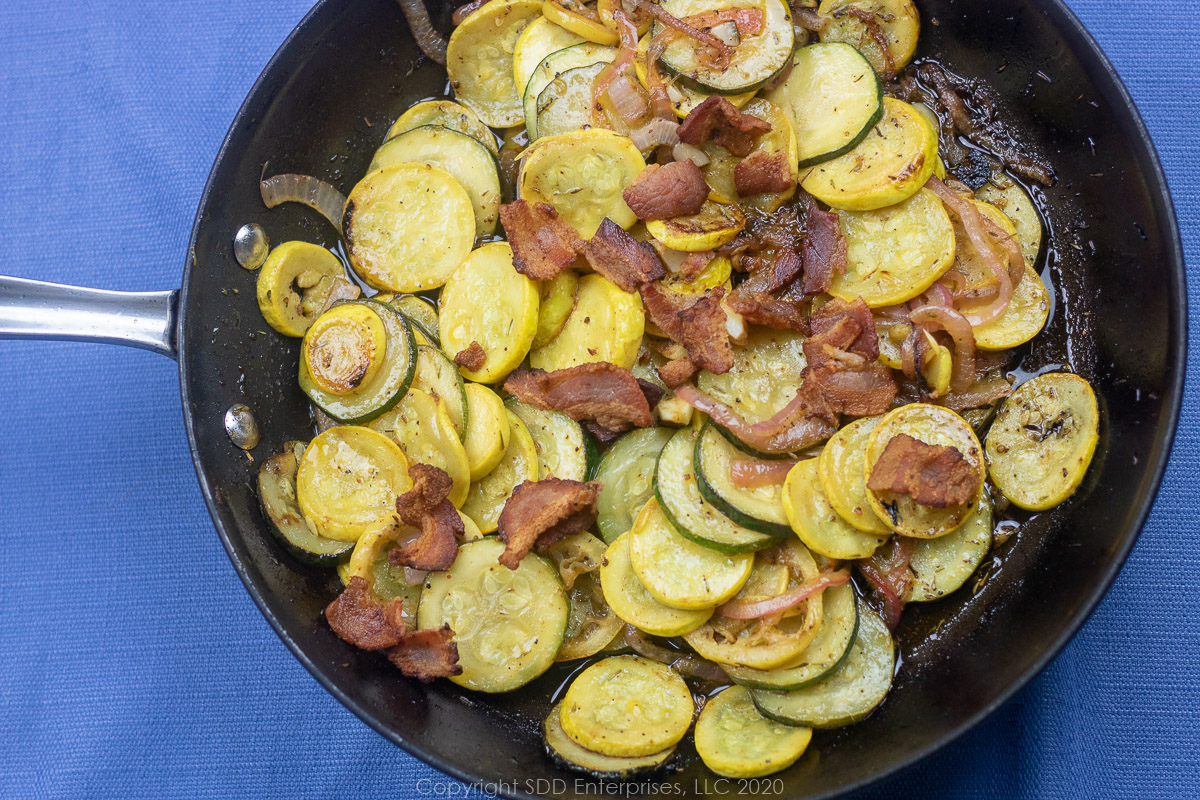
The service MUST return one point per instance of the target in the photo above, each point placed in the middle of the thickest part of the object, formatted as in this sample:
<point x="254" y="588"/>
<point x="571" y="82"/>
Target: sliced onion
<point x="888" y="573"/>
<point x="616" y="68"/>
<point x="432" y="43"/>
<point x="938" y="295"/>
<point x="316" y="194"/>
<point x="779" y="434"/>
<point x="660" y="99"/>
<point x="751" y="473"/>
<point x="959" y="328"/>
<point x="462" y="12"/>
<point x="908" y="354"/>
<point x="657" y="131"/>
<point x="687" y="664"/>
<point x="724" y="52"/>
<point x="978" y="394"/>
<point x="628" y="100"/>
<point x="736" y="609"/>
<point x="414" y="577"/>
<point x="977" y="232"/>
<point x="689" y="152"/>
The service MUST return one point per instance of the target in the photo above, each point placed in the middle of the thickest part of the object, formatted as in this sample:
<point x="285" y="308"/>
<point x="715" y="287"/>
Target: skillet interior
<point x="322" y="106"/>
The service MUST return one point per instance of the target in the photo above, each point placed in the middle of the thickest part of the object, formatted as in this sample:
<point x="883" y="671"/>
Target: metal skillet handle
<point x="39" y="310"/>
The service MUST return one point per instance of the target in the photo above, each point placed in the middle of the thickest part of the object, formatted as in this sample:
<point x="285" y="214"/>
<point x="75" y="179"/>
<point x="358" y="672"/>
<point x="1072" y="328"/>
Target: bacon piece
<point x="865" y="342"/>
<point x="784" y="268"/>
<point x="698" y="325"/>
<point x="598" y="391"/>
<point x="543" y="245"/>
<point x="761" y="308"/>
<point x="360" y="619"/>
<point x="427" y="654"/>
<point x="763" y="172"/>
<point x="933" y="475"/>
<point x="890" y="577"/>
<point x="719" y="121"/>
<point x="694" y="263"/>
<point x="472" y="358"/>
<point x="824" y="250"/>
<point x="651" y="392"/>
<point x="539" y="513"/>
<point x="622" y="259"/>
<point x="677" y="372"/>
<point x="859" y="392"/>
<point x="843" y="355"/>
<point x="426" y="507"/>
<point x="673" y="190"/>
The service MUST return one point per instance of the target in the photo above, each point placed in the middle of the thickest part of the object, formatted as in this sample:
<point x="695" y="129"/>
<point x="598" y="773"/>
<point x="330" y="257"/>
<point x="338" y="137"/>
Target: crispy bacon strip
<point x="719" y="121"/>
<point x="426" y="507"/>
<point x="823" y="252"/>
<point x="864" y="342"/>
<point x="622" y="259"/>
<point x="674" y="190"/>
<point x="677" y="372"/>
<point x="843" y="361"/>
<point x="698" y="325"/>
<point x="543" y="245"/>
<point x="763" y="172"/>
<point x="540" y="513"/>
<point x="761" y="308"/>
<point x="427" y="654"/>
<point x="360" y="619"/>
<point x="933" y="475"/>
<point x="597" y="391"/>
<point x="472" y="358"/>
<point x="694" y="263"/>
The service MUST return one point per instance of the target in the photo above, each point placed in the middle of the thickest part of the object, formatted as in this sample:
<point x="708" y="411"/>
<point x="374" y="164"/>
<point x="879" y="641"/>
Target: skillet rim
<point x="1109" y="84"/>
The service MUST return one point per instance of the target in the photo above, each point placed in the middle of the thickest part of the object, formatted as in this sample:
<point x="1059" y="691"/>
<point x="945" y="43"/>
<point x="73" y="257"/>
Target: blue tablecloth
<point x="132" y="662"/>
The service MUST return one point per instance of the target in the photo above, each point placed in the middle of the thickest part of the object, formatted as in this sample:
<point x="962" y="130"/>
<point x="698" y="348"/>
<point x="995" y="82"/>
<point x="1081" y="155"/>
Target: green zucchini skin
<point x="277" y="494"/>
<point x="632" y="457"/>
<point x="710" y="490"/>
<point x="562" y="443"/>
<point x="392" y="383"/>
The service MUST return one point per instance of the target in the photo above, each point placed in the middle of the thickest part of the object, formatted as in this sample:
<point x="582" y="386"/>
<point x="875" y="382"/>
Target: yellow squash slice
<point x="448" y="114"/>
<point x="489" y="302"/>
<point x="423" y="429"/>
<point x="780" y="139"/>
<point x="557" y="302"/>
<point x="735" y="740"/>
<point x="712" y="226"/>
<point x="606" y="325"/>
<point x="1014" y="201"/>
<point x="842" y="478"/>
<point x="294" y="284"/>
<point x="537" y="41"/>
<point x="1023" y="319"/>
<point x="487" y="496"/>
<point x="487" y="432"/>
<point x="816" y="523"/>
<point x="479" y="60"/>
<point x="633" y="603"/>
<point x="587" y="28"/>
<point x="897" y="19"/>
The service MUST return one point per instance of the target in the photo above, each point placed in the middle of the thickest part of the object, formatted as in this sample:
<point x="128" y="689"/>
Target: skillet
<point x="1046" y="580"/>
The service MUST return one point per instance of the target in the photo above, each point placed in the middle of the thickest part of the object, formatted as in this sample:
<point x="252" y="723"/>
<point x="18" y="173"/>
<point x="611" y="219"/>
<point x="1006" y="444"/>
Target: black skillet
<point x="1113" y="258"/>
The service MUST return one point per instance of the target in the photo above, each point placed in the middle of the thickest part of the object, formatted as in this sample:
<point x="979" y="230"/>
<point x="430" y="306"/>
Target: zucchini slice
<point x="592" y="624"/>
<point x="606" y="324"/>
<point x="627" y="706"/>
<point x="488" y="430"/>
<point x="370" y="562"/>
<point x="627" y="474"/>
<point x="448" y="114"/>
<point x="765" y="375"/>
<point x="550" y="68"/>
<point x="760" y="644"/>
<point x="471" y="164"/>
<point x="349" y="478"/>
<point x="735" y="740"/>
<point x="629" y="599"/>
<point x="563" y="750"/>
<point x="293" y="285"/>
<point x="683" y="97"/>
<point x="537" y="41"/>
<point x="757" y="58"/>
<point x="679" y="572"/>
<point x="508" y="624"/>
<point x="891" y="163"/>
<point x="848" y="695"/>
<point x="817" y="524"/>
<point x="759" y="508"/>
<point x="563" y="450"/>
<point x="719" y="172"/>
<point x="503" y="326"/>
<point x="1043" y="440"/>
<point x="421" y="426"/>
<point x="519" y="463"/>
<point x="1024" y="318"/>
<point x="894" y="254"/>
<point x="407" y="227"/>
<point x="824" y="654"/>
<point x="479" y="59"/>
<point x="394" y="363"/>
<point x="713" y="225"/>
<point x="932" y="425"/>
<point x="897" y="19"/>
<point x="843" y="481"/>
<point x="277" y="492"/>
<point x="941" y="566"/>
<point x="677" y="490"/>
<point x="565" y="105"/>
<point x="583" y="175"/>
<point x="557" y="302"/>
<point x="832" y="97"/>
<point x="439" y="376"/>
<point x="421" y="313"/>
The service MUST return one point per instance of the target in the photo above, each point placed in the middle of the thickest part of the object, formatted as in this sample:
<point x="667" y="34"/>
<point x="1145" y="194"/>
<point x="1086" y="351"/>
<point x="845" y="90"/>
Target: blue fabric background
<point x="132" y="662"/>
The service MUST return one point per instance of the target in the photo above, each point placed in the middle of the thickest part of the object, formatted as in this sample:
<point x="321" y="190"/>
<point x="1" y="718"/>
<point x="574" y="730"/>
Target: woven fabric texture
<point x="133" y="663"/>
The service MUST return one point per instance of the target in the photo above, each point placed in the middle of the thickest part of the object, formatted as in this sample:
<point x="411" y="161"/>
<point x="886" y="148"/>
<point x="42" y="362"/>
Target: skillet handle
<point x="38" y="310"/>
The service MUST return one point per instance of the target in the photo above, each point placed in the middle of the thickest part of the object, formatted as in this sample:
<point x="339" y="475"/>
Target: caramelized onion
<point x="723" y="51"/>
<point x="628" y="101"/>
<point x="464" y="11"/>
<point x="660" y="100"/>
<point x="432" y="43"/>
<point x="959" y="328"/>
<point x="736" y="609"/>
<point x="684" y="151"/>
<point x="750" y="473"/>
<point x="314" y="193"/>
<point x="656" y="132"/>
<point x="687" y="664"/>
<point x="779" y="434"/>
<point x="617" y="68"/>
<point x="977" y="231"/>
<point x="891" y="579"/>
